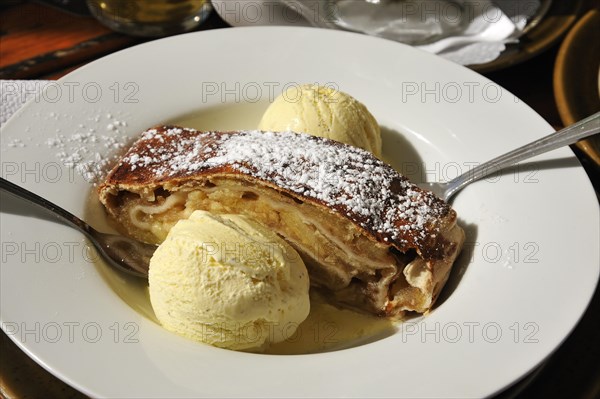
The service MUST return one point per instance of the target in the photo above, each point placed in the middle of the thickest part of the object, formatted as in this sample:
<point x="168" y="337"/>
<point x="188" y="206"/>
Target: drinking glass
<point x="150" y="18"/>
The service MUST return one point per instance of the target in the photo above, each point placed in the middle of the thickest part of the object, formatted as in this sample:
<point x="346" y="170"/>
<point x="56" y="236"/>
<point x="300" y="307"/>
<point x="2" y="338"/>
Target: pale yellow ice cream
<point x="324" y="112"/>
<point x="228" y="281"/>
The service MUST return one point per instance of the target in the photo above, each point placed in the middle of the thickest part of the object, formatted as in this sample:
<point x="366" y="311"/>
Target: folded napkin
<point x="486" y="26"/>
<point x="496" y="23"/>
<point x="14" y="93"/>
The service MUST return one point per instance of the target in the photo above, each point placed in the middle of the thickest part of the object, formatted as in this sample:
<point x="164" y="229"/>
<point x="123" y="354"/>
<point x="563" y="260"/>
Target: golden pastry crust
<point x="371" y="238"/>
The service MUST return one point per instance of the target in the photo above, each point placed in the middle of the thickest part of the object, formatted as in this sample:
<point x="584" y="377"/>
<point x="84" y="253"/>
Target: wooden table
<point x="40" y="42"/>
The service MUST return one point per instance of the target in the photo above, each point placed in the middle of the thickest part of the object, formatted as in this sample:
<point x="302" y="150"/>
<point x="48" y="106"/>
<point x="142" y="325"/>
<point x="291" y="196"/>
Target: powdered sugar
<point x="347" y="179"/>
<point x="16" y="143"/>
<point x="84" y="149"/>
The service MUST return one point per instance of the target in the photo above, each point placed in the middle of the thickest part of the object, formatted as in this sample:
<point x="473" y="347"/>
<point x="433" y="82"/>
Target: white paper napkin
<point x="15" y="93"/>
<point x="489" y="17"/>
<point x="483" y="19"/>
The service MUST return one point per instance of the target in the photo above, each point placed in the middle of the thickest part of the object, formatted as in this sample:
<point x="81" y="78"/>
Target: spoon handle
<point x="569" y="135"/>
<point x="56" y="210"/>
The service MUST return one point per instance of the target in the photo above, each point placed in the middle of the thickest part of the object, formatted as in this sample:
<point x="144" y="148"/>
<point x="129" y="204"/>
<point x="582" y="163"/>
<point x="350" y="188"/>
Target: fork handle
<point x="569" y="135"/>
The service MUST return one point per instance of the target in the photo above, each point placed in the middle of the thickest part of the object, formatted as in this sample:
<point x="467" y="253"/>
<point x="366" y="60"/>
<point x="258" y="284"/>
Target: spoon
<point x="566" y="136"/>
<point x="120" y="252"/>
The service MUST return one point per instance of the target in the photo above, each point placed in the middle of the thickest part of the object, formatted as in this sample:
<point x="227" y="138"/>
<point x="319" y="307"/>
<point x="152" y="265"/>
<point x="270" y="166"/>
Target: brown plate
<point x="577" y="78"/>
<point x="540" y="34"/>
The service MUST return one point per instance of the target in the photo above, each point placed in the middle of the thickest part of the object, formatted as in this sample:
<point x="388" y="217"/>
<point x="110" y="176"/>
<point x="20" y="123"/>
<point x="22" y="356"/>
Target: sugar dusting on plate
<point x="91" y="149"/>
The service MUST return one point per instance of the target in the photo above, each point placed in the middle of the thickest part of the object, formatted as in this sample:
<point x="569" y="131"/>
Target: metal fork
<point x="566" y="136"/>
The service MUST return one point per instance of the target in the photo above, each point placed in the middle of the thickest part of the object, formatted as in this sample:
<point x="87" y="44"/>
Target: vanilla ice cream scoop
<point x="228" y="281"/>
<point x="324" y="112"/>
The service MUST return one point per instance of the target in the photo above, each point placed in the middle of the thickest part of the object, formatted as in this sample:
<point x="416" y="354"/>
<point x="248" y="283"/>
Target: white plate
<point x="529" y="269"/>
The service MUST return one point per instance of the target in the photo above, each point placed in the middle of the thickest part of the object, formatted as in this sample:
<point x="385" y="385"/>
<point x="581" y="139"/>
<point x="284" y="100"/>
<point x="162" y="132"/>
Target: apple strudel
<point x="370" y="238"/>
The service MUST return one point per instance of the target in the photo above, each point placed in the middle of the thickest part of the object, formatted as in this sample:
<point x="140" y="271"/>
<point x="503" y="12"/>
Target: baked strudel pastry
<point x="369" y="238"/>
